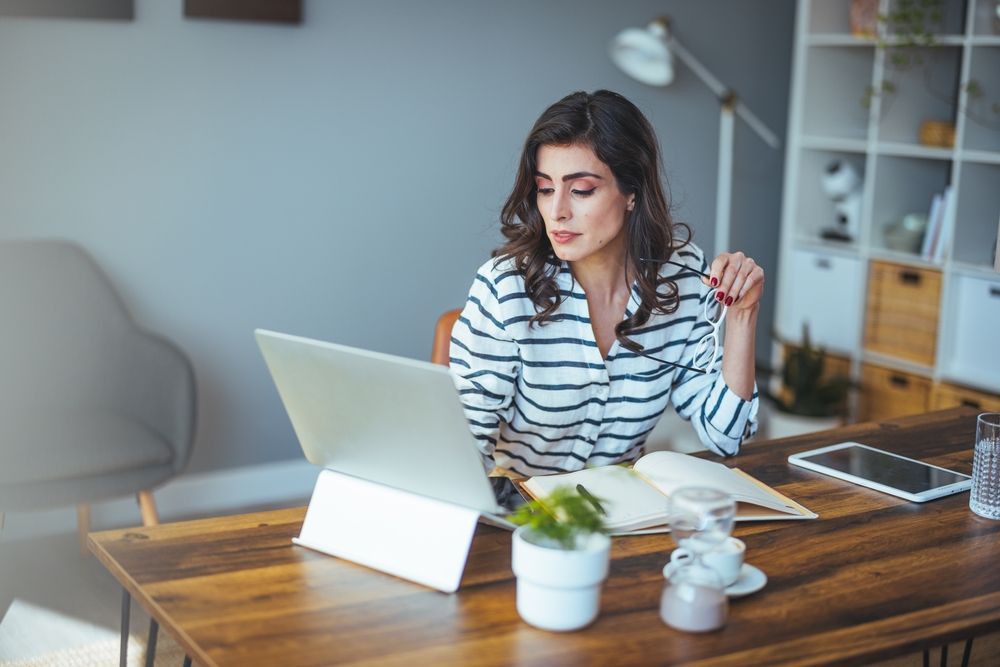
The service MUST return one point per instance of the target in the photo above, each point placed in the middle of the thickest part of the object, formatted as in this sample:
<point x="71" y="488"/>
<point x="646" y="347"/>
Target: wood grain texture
<point x="874" y="577"/>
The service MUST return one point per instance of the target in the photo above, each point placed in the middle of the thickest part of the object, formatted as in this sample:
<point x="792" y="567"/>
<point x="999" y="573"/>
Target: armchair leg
<point x="83" y="527"/>
<point x="147" y="507"/>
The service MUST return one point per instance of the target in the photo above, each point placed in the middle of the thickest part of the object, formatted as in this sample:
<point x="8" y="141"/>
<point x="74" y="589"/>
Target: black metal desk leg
<point x="154" y="629"/>
<point x="126" y="610"/>
<point x="967" y="653"/>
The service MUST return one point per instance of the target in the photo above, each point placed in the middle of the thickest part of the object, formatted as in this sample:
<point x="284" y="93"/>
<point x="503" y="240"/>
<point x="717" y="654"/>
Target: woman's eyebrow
<point x="569" y="177"/>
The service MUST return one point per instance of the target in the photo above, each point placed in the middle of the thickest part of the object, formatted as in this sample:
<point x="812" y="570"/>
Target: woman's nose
<point x="560" y="206"/>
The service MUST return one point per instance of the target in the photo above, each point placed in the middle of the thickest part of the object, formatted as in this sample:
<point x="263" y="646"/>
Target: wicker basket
<point x="901" y="315"/>
<point x="937" y="133"/>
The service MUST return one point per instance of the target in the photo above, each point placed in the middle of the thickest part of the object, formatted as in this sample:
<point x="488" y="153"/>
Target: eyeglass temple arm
<point x="672" y="363"/>
<point x="667" y="261"/>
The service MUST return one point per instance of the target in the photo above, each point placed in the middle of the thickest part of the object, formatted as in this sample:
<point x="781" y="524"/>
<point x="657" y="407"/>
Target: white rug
<point x="104" y="654"/>
<point x="33" y="636"/>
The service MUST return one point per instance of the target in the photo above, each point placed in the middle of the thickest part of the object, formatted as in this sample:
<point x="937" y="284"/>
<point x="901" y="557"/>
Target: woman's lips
<point x="563" y="237"/>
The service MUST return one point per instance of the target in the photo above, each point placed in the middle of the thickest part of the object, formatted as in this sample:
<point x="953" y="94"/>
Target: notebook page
<point x="669" y="471"/>
<point x="627" y="500"/>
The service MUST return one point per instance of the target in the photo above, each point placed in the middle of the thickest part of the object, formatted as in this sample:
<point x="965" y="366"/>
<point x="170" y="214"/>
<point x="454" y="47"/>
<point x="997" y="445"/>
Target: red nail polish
<point x="720" y="295"/>
<point x="729" y="300"/>
<point x="715" y="282"/>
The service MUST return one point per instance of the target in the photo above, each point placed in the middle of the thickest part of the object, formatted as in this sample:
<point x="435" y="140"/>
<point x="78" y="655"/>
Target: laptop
<point x="382" y="418"/>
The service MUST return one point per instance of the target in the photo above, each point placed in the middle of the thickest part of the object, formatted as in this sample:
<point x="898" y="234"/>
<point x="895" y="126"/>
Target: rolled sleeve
<point x="725" y="419"/>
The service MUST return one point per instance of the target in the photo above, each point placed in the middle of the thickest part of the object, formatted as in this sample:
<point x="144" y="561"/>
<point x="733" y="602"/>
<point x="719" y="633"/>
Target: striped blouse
<point x="540" y="399"/>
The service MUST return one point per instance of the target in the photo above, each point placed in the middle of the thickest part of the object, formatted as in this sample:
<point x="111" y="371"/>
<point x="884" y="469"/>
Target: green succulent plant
<point x="808" y="392"/>
<point x="562" y="517"/>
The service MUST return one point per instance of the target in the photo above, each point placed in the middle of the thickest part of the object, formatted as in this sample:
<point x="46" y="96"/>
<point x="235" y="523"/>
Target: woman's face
<point x="579" y="199"/>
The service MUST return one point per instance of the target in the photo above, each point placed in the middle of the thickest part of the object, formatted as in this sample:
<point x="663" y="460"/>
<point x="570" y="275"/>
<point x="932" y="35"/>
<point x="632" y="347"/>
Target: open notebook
<point x="635" y="499"/>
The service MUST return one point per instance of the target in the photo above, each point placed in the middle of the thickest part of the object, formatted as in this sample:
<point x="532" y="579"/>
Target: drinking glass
<point x="985" y="497"/>
<point x="700" y="519"/>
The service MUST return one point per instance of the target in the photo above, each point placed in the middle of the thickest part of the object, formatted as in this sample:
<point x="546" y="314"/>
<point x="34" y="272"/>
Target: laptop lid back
<point x="383" y="418"/>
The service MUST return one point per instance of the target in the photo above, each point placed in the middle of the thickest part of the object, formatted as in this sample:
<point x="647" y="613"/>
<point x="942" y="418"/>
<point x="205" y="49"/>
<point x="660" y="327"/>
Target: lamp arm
<point x="726" y="95"/>
<point x="750" y="118"/>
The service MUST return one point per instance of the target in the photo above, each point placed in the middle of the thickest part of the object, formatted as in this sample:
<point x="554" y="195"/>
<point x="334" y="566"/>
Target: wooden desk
<point x="874" y="577"/>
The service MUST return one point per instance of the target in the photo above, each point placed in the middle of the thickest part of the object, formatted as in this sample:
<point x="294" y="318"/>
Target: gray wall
<point x="340" y="179"/>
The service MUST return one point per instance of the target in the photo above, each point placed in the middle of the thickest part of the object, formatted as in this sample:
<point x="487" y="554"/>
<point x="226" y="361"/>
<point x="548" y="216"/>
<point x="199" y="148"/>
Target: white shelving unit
<point x="825" y="282"/>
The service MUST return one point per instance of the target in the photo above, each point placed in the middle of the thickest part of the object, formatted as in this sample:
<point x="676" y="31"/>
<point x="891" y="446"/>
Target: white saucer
<point x="751" y="580"/>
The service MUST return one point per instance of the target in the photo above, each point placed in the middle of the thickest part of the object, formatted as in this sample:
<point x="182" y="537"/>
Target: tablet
<point x="883" y="471"/>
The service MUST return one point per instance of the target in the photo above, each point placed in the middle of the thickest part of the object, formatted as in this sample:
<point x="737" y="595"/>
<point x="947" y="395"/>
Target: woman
<point x="590" y="317"/>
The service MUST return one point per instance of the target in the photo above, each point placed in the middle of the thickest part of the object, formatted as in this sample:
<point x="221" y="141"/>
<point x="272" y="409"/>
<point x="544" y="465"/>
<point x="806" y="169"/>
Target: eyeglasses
<point x="667" y="261"/>
<point x="707" y="351"/>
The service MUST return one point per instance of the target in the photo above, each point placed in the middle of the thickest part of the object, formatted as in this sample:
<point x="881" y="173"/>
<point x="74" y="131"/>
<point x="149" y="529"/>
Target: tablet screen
<point x="886" y="469"/>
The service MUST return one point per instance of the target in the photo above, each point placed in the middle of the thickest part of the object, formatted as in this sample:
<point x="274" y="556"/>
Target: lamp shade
<point x="642" y="53"/>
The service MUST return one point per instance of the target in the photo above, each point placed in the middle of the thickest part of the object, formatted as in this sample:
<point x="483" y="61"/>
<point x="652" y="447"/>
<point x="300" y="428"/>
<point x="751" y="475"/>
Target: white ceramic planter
<point x="559" y="589"/>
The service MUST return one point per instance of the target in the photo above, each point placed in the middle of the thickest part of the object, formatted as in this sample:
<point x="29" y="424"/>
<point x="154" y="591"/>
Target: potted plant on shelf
<point x="560" y="554"/>
<point x="904" y="35"/>
<point x="810" y="399"/>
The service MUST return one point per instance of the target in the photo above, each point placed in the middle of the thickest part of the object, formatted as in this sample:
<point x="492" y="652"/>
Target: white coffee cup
<point x="726" y="559"/>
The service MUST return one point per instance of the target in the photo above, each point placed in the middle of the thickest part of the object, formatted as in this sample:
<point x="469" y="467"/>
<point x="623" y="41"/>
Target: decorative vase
<point x="906" y="234"/>
<point x="559" y="589"/>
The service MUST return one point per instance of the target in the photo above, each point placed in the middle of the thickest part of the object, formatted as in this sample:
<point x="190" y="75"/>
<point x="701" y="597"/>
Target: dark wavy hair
<point x="623" y="139"/>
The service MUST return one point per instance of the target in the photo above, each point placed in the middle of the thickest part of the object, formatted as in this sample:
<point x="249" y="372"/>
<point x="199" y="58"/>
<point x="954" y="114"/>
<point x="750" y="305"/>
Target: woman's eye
<point x="584" y="193"/>
<point x="545" y="191"/>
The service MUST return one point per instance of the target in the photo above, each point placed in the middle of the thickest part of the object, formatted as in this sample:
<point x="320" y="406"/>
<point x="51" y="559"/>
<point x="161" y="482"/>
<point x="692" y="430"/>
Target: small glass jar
<point x="694" y="600"/>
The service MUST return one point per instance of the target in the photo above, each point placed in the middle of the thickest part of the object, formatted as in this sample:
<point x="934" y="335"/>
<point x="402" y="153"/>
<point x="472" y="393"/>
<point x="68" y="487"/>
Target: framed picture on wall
<point x="120" y="10"/>
<point x="271" y="11"/>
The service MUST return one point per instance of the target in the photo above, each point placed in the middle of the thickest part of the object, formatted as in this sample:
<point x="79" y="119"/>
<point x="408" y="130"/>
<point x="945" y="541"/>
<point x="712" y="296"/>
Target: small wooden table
<point x="873" y="577"/>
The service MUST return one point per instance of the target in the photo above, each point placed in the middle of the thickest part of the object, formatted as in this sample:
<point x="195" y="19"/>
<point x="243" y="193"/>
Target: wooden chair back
<point x="442" y="336"/>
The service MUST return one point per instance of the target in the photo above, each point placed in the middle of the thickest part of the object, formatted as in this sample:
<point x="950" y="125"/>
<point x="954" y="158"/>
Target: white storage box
<point x="823" y="290"/>
<point x="972" y="358"/>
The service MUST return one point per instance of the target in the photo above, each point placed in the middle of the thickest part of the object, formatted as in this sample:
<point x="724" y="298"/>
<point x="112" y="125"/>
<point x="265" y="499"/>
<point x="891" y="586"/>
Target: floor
<point x="59" y="607"/>
<point x="54" y="601"/>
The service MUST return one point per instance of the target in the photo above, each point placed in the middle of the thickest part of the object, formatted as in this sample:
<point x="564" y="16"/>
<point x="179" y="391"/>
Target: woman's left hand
<point x="737" y="279"/>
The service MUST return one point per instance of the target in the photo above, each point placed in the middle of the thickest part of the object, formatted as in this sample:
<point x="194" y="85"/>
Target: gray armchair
<point x="91" y="406"/>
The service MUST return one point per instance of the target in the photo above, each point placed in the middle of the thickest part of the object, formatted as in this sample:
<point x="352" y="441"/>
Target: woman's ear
<point x="631" y="203"/>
